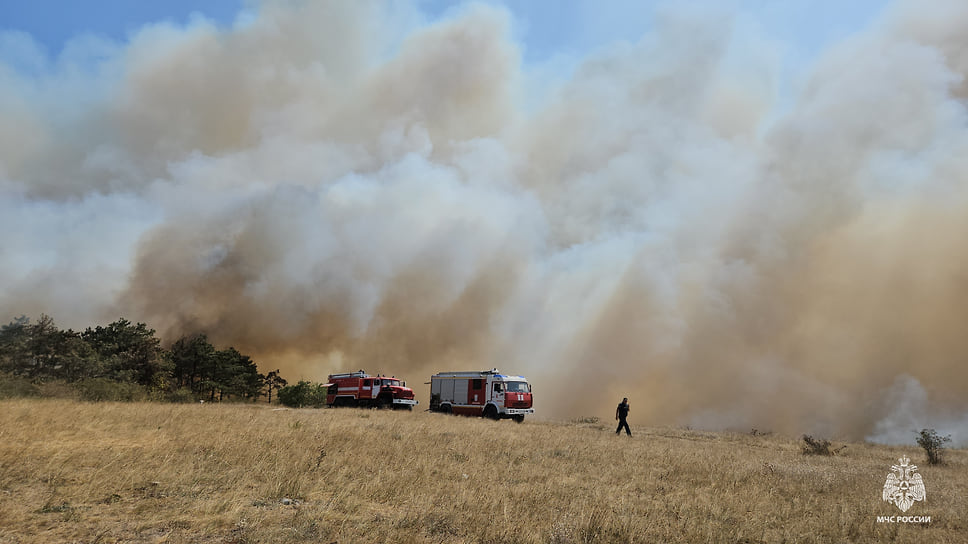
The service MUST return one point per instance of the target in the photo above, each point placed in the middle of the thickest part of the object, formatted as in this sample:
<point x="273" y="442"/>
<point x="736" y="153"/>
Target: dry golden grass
<point x="154" y="473"/>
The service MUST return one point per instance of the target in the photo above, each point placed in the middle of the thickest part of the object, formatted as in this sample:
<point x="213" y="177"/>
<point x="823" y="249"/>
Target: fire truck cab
<point x="486" y="393"/>
<point x="360" y="389"/>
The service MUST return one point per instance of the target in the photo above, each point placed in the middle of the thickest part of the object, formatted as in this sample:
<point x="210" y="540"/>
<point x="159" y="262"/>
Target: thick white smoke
<point x="332" y="185"/>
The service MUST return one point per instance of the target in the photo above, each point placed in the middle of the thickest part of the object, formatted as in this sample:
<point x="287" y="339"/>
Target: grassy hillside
<point x="153" y="473"/>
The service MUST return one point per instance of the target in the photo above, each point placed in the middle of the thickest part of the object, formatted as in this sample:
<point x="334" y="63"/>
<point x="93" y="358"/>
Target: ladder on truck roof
<point x="358" y="374"/>
<point x="466" y="374"/>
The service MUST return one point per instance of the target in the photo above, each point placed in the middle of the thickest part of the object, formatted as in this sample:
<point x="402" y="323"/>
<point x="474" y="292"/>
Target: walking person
<point x="621" y="413"/>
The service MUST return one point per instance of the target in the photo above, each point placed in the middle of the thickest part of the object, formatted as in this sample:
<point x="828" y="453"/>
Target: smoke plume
<point x="338" y="185"/>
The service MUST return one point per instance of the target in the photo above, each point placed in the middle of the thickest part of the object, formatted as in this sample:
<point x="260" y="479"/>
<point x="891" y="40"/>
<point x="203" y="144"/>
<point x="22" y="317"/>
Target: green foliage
<point x="107" y="390"/>
<point x="216" y="374"/>
<point x="273" y="381"/>
<point x="236" y="375"/>
<point x="34" y="357"/>
<point x="192" y="358"/>
<point x="16" y="386"/>
<point x="303" y="394"/>
<point x="180" y="395"/>
<point x="41" y="351"/>
<point x="933" y="445"/>
<point x="14" y="350"/>
<point x="128" y="353"/>
<point x="57" y="389"/>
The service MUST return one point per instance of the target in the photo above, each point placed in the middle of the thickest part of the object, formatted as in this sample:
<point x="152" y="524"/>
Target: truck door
<point x="497" y="394"/>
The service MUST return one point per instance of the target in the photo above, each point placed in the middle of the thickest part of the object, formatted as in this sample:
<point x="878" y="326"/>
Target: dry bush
<point x="815" y="446"/>
<point x="933" y="445"/>
<point x="188" y="473"/>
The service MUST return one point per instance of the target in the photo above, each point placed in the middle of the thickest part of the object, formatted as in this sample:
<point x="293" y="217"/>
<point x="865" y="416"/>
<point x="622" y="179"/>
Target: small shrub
<point x="303" y="394"/>
<point x="105" y="390"/>
<point x="180" y="395"/>
<point x="933" y="445"/>
<point x="16" y="386"/>
<point x="815" y="446"/>
<point x="57" y="389"/>
<point x="586" y="420"/>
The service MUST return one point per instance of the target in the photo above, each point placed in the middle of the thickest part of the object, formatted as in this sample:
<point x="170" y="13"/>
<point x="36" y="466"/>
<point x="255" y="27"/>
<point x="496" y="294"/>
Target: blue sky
<point x="546" y="28"/>
<point x="53" y="22"/>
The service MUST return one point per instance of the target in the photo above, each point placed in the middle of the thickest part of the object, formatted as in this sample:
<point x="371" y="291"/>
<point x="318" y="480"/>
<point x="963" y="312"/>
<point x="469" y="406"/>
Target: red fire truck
<point x="487" y="393"/>
<point x="360" y="389"/>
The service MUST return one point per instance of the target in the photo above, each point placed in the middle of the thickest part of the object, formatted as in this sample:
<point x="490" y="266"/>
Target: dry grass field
<point x="158" y="473"/>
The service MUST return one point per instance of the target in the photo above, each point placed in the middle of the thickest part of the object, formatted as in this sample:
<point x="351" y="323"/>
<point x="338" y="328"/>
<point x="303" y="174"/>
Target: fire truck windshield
<point x="390" y="382"/>
<point x="518" y="387"/>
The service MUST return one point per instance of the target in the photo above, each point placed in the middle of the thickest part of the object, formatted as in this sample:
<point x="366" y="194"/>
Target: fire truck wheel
<point x="445" y="408"/>
<point x="490" y="412"/>
<point x="382" y="403"/>
<point x="518" y="418"/>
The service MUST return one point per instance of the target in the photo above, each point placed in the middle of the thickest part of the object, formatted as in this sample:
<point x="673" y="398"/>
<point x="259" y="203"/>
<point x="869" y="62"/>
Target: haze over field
<point x="335" y="185"/>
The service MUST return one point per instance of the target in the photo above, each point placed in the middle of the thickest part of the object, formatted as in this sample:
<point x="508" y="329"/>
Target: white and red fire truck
<point x="487" y="393"/>
<point x="360" y="389"/>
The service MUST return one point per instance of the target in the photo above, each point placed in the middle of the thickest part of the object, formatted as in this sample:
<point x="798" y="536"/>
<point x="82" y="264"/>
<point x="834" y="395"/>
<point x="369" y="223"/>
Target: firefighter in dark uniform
<point x="621" y="413"/>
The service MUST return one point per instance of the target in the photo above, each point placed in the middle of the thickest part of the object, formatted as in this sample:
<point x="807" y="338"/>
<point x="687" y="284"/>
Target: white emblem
<point x="904" y="485"/>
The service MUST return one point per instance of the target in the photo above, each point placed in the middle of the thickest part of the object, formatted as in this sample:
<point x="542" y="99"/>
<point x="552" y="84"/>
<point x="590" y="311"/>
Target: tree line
<point x="124" y="361"/>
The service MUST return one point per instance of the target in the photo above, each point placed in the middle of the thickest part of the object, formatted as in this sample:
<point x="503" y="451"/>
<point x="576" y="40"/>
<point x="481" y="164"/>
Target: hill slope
<point x="140" y="473"/>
